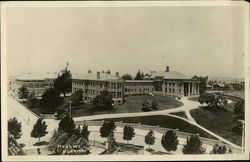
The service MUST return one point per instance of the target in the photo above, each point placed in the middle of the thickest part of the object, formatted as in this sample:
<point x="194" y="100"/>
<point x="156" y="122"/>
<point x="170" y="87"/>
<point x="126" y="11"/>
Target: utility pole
<point x="70" y="109"/>
<point x="243" y="135"/>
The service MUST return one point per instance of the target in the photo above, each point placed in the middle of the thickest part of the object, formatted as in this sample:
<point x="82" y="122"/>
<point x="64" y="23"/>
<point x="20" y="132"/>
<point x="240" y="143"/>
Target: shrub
<point x="103" y="101"/>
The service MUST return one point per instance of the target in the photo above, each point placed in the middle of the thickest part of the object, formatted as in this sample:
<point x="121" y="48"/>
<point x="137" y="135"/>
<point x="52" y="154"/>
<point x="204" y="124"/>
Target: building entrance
<point x="186" y="89"/>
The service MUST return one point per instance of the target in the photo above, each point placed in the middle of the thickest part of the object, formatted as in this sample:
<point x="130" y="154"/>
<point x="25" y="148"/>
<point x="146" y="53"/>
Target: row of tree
<point x="139" y="76"/>
<point x="68" y="135"/>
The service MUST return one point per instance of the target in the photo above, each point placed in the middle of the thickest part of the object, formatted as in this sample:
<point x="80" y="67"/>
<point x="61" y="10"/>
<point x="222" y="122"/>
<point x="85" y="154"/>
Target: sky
<point x="193" y="40"/>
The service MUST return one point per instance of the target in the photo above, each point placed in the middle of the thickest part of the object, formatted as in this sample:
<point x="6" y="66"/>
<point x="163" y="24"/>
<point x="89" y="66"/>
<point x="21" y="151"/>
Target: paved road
<point x="28" y="119"/>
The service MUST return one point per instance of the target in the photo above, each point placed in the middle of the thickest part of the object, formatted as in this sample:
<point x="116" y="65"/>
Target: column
<point x="198" y="88"/>
<point x="193" y="92"/>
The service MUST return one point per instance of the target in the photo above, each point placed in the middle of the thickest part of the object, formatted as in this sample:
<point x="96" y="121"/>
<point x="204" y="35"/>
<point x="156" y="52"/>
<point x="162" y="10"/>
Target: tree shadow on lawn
<point x="41" y="143"/>
<point x="215" y="110"/>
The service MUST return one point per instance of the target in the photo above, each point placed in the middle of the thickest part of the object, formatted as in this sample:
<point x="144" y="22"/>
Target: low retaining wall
<point x="158" y="129"/>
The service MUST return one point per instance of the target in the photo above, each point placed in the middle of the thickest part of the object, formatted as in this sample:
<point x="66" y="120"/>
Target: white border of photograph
<point x="5" y="5"/>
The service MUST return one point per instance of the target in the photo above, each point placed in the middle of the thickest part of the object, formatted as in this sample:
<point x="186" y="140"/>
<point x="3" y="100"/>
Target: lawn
<point x="220" y="123"/>
<point x="132" y="104"/>
<point x="165" y="122"/>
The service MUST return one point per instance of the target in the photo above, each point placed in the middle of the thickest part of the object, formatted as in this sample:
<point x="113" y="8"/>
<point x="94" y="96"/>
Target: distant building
<point x="218" y="86"/>
<point x="35" y="83"/>
<point x="164" y="83"/>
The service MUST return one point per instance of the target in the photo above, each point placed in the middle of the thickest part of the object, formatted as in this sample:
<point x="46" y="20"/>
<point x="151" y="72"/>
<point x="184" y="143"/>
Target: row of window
<point x="116" y="95"/>
<point x="138" y="83"/>
<point x="171" y="90"/>
<point x="96" y="92"/>
<point x="140" y="89"/>
<point x="111" y="85"/>
<point x="115" y="85"/>
<point x="172" y="84"/>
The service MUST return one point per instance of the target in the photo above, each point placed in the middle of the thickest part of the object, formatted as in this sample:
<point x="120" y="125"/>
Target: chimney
<point x="167" y="69"/>
<point x="117" y="74"/>
<point x="98" y="75"/>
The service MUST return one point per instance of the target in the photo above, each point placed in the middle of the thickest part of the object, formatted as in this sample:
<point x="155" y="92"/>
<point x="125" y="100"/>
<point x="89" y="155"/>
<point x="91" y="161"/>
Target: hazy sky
<point x="192" y="40"/>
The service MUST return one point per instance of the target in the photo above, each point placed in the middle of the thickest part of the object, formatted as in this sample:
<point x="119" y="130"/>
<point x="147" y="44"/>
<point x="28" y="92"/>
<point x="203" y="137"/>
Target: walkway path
<point x="26" y="117"/>
<point x="186" y="107"/>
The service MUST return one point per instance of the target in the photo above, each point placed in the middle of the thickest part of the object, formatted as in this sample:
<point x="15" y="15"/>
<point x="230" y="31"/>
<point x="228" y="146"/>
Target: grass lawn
<point x="220" y="123"/>
<point x="132" y="104"/>
<point x="165" y="122"/>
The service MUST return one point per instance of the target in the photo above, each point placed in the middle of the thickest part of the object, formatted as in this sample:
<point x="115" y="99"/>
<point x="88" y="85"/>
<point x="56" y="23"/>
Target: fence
<point x="97" y="144"/>
<point x="158" y="129"/>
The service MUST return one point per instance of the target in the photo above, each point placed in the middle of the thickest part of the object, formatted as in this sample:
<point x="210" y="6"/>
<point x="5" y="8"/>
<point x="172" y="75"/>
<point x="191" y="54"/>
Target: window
<point x="173" y="90"/>
<point x="169" y="90"/>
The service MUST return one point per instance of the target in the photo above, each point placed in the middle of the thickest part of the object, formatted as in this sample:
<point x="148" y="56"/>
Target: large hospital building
<point x="164" y="83"/>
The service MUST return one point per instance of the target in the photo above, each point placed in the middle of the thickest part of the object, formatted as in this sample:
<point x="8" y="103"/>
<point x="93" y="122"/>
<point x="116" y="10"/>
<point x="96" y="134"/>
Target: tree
<point x="78" y="131"/>
<point x="193" y="146"/>
<point x="32" y="101"/>
<point x="76" y="97"/>
<point x="203" y="83"/>
<point x="127" y="77"/>
<point x="51" y="99"/>
<point x="220" y="101"/>
<point x="128" y="133"/>
<point x="15" y="128"/>
<point x="219" y="149"/>
<point x="145" y="106"/>
<point x="13" y="147"/>
<point x="207" y="98"/>
<point x="67" y="125"/>
<point x="85" y="132"/>
<point x="154" y="104"/>
<point x="107" y="128"/>
<point x="170" y="141"/>
<point x="103" y="101"/>
<point x="108" y="71"/>
<point x="39" y="129"/>
<point x="57" y="141"/>
<point x="139" y="75"/>
<point x="150" y="138"/>
<point x="63" y="83"/>
<point x="23" y="92"/>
